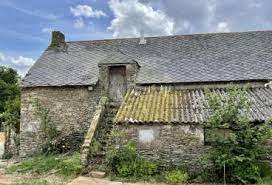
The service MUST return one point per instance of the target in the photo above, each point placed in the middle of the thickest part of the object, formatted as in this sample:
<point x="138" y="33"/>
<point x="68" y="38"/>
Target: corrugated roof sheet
<point x="170" y="105"/>
<point x="169" y="59"/>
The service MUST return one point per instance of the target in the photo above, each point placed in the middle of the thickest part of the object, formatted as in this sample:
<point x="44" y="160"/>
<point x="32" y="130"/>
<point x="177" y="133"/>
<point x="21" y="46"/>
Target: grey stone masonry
<point x="167" y="144"/>
<point x="131" y="70"/>
<point x="70" y="108"/>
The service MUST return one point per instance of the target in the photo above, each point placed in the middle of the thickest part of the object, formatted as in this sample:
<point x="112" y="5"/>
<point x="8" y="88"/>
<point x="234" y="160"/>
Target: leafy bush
<point x="63" y="165"/>
<point x="266" y="174"/>
<point x="176" y="176"/>
<point x="125" y="162"/>
<point x="243" y="146"/>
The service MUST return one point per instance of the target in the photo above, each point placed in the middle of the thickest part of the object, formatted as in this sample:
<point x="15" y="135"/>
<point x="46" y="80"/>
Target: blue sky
<point x="25" y="25"/>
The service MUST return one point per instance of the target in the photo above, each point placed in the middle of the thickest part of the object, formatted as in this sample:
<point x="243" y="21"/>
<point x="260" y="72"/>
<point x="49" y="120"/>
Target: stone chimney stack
<point x="58" y="39"/>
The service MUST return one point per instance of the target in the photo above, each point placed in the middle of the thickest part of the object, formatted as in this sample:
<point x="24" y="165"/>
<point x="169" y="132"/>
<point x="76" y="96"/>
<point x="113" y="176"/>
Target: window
<point x="146" y="136"/>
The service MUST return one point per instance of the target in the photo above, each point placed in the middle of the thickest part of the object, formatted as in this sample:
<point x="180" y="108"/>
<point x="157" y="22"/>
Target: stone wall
<point x="104" y="78"/>
<point x="70" y="108"/>
<point x="131" y="71"/>
<point x="169" y="144"/>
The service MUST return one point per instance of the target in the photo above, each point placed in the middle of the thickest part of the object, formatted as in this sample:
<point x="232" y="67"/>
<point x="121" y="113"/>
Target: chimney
<point x="58" y="39"/>
<point x="142" y="39"/>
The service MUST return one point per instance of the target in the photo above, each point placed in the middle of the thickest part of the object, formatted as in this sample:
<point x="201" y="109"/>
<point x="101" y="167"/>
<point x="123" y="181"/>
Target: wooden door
<point x="117" y="83"/>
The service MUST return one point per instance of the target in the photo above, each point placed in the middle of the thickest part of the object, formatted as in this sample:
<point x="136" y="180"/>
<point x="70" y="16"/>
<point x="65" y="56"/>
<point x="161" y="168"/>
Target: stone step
<point x="102" y="136"/>
<point x="98" y="174"/>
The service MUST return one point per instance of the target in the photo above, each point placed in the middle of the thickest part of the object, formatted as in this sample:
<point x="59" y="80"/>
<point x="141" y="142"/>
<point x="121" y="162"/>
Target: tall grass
<point x="67" y="166"/>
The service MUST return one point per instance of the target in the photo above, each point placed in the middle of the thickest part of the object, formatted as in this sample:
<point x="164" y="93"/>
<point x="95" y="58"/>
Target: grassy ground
<point x="61" y="169"/>
<point x="42" y="169"/>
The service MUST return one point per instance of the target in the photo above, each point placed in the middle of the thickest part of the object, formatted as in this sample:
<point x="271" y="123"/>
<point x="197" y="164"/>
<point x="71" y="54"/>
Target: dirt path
<point x="5" y="180"/>
<point x="11" y="179"/>
<point x="94" y="181"/>
<point x="8" y="179"/>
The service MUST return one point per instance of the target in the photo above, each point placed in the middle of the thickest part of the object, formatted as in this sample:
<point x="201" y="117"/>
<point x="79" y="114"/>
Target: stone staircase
<point x="99" y="143"/>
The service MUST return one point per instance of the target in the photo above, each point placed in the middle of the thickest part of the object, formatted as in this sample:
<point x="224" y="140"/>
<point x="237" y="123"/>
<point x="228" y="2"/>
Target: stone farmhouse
<point x="156" y="85"/>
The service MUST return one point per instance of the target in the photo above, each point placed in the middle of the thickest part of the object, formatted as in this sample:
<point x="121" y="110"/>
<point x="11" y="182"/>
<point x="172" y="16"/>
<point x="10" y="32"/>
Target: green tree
<point x="11" y="115"/>
<point x="8" y="75"/>
<point x="9" y="97"/>
<point x="238" y="145"/>
<point x="10" y="108"/>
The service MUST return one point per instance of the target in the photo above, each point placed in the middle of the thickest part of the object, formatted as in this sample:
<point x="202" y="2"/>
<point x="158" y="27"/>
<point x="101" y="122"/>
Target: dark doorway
<point x="117" y="83"/>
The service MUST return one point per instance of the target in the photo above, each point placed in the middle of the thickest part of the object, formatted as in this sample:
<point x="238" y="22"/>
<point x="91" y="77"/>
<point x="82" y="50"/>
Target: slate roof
<point x="117" y="58"/>
<point x="169" y="59"/>
<point x="170" y="105"/>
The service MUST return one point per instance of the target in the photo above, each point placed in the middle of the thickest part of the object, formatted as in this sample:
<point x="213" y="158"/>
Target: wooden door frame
<point x="123" y="70"/>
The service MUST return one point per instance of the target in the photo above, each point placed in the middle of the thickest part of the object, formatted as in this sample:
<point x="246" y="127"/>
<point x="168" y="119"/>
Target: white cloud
<point x="47" y="30"/>
<point x="222" y="27"/>
<point x="21" y="64"/>
<point x="86" y="11"/>
<point x="2" y="57"/>
<point x="131" y="16"/>
<point x="79" y="23"/>
<point x="22" y="61"/>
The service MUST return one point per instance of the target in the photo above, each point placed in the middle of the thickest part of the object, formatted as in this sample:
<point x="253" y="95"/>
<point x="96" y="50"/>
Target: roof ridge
<point x="175" y="35"/>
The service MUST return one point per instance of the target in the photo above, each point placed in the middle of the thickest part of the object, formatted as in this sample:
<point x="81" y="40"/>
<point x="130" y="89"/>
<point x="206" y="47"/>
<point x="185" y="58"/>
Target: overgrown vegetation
<point x="49" y="130"/>
<point x="68" y="166"/>
<point x="125" y="162"/>
<point x="9" y="105"/>
<point x="9" y="96"/>
<point x="176" y="176"/>
<point x="100" y="141"/>
<point x="238" y="155"/>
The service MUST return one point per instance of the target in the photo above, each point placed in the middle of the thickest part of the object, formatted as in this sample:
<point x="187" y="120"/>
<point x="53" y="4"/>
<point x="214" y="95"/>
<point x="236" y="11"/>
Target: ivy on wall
<point x="49" y="132"/>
